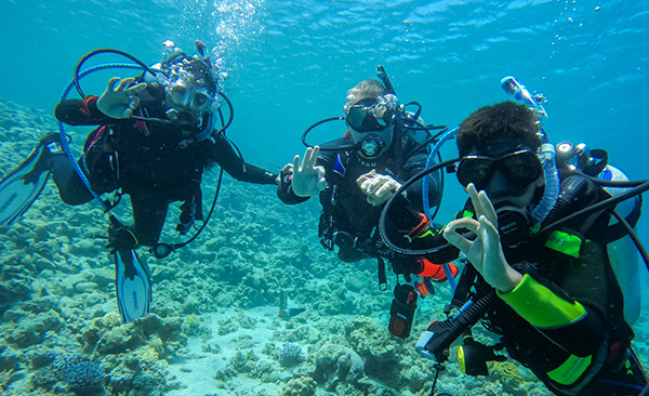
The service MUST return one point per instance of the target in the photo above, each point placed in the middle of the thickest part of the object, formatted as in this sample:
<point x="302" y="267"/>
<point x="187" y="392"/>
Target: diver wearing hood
<point x="156" y="137"/>
<point x="559" y="308"/>
<point x="356" y="174"/>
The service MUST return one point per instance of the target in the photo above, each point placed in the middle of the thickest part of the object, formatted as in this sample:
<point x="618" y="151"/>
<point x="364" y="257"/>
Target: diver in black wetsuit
<point x="356" y="174"/>
<point x="156" y="138"/>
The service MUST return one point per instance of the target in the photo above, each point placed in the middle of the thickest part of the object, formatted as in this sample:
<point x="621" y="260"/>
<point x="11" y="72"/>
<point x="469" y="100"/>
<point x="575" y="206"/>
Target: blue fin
<point x="16" y="195"/>
<point x="132" y="285"/>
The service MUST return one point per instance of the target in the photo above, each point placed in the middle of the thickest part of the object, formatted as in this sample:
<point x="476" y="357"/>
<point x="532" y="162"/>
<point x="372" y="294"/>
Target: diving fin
<point x="20" y="188"/>
<point x="133" y="286"/>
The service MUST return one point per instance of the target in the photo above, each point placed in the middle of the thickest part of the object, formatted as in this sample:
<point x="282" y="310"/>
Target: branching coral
<point x="80" y="373"/>
<point x="290" y="355"/>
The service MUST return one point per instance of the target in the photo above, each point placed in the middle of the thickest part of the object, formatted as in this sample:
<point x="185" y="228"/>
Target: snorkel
<point x="547" y="154"/>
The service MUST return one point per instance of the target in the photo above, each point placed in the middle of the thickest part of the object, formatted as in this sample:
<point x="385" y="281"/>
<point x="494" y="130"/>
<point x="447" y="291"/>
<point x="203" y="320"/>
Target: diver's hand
<point x="485" y="252"/>
<point x="121" y="101"/>
<point x="378" y="188"/>
<point x="308" y="179"/>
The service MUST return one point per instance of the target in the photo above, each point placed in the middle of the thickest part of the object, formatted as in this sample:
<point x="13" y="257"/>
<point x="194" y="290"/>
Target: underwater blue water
<point x="289" y="63"/>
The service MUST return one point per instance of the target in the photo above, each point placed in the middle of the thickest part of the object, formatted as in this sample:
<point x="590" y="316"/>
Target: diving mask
<point x="186" y="95"/>
<point x="520" y="168"/>
<point x="189" y="82"/>
<point x="371" y="115"/>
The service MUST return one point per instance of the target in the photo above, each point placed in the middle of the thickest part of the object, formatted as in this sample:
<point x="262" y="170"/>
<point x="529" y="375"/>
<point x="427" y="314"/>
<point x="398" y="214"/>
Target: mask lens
<point x="200" y="99"/>
<point x="476" y="170"/>
<point x="369" y="119"/>
<point x="521" y="168"/>
<point x="178" y="93"/>
<point x="356" y="116"/>
<point x="382" y="114"/>
<point x="189" y="96"/>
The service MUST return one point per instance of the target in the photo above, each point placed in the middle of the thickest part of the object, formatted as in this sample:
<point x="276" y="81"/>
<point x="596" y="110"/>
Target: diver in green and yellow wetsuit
<point x="557" y="306"/>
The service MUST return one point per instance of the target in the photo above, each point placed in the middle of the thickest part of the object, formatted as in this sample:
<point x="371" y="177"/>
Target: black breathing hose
<point x="609" y="202"/>
<point x="227" y="100"/>
<point x="575" y="188"/>
<point x="349" y="146"/>
<point x="637" y="187"/>
<point x="105" y="51"/>
<point x="390" y="202"/>
<point x="634" y="237"/>
<point x="446" y="332"/>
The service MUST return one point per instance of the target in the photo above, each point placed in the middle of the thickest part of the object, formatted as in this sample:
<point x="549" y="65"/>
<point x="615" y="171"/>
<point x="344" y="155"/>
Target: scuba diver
<point x="355" y="175"/>
<point x="549" y="291"/>
<point x="157" y="134"/>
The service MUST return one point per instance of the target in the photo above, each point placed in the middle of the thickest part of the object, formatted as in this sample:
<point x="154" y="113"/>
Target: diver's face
<point x="506" y="172"/>
<point x="187" y="97"/>
<point x="371" y="125"/>
<point x="500" y="190"/>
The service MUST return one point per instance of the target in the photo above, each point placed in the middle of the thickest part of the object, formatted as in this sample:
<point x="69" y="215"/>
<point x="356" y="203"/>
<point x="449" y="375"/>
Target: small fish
<point x="284" y="311"/>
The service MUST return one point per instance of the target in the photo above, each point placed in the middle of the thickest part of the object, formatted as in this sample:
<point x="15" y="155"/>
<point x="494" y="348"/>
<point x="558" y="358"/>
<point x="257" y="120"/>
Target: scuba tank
<point x="621" y="250"/>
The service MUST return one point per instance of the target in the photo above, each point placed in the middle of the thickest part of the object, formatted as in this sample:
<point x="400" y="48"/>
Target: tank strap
<point x="617" y="231"/>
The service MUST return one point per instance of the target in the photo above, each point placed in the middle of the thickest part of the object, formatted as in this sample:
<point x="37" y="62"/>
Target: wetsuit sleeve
<point x="285" y="191"/>
<point x="572" y="315"/>
<point x="80" y="112"/>
<point x="542" y="308"/>
<point x="223" y="153"/>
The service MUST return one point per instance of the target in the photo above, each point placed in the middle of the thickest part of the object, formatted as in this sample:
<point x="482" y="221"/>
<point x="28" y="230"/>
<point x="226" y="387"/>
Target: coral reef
<point x="80" y="373"/>
<point x="381" y="353"/>
<point x="290" y="355"/>
<point x="215" y="304"/>
<point x="337" y="363"/>
<point x="241" y="363"/>
<point x="302" y="386"/>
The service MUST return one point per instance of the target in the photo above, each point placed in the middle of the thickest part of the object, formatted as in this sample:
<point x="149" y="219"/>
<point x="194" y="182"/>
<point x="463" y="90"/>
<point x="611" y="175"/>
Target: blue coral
<point x="82" y="375"/>
<point x="290" y="354"/>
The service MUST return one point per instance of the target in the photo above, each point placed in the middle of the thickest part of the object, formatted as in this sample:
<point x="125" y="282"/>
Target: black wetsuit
<point x="155" y="163"/>
<point x="347" y="219"/>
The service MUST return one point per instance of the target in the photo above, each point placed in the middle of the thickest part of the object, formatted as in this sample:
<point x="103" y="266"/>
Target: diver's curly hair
<point x="505" y="120"/>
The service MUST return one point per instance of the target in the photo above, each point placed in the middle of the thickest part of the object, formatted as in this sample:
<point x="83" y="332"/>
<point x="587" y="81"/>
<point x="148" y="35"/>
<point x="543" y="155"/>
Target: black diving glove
<point x="120" y="237"/>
